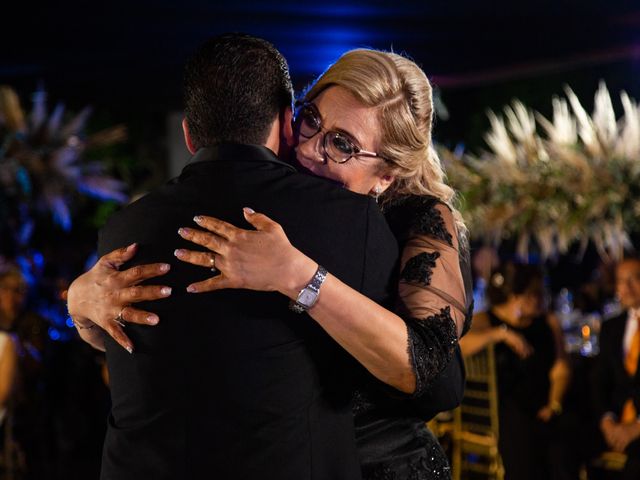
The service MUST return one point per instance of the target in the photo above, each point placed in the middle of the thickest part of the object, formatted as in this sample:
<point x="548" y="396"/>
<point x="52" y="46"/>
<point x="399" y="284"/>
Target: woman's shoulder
<point x="421" y="215"/>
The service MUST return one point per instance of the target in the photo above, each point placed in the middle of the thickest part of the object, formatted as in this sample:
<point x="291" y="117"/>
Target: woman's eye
<point x="311" y="119"/>
<point x="343" y="145"/>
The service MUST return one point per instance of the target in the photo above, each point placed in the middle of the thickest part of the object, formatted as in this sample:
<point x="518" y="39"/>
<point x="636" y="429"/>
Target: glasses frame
<point x="357" y="151"/>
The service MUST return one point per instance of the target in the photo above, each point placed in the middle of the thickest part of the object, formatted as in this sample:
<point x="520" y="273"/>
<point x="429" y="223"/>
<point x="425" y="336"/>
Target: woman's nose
<point x="312" y="148"/>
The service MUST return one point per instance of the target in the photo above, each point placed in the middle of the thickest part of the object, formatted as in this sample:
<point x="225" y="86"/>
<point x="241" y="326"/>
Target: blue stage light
<point x="54" y="334"/>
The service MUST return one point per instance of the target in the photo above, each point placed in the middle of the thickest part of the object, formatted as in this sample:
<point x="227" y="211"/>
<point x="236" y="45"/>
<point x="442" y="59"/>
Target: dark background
<point x="125" y="58"/>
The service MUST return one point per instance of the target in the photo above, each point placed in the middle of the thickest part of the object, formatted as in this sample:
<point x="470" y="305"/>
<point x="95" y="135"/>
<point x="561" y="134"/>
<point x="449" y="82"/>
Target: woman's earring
<point x="377" y="192"/>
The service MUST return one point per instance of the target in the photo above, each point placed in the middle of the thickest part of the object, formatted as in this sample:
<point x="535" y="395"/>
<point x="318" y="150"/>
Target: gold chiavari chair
<point x="475" y="424"/>
<point x="609" y="461"/>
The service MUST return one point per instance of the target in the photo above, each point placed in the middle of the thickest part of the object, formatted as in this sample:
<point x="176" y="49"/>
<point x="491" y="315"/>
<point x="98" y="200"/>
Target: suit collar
<point x="237" y="152"/>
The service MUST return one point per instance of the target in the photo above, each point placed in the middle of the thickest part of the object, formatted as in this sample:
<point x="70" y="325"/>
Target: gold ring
<point x="212" y="262"/>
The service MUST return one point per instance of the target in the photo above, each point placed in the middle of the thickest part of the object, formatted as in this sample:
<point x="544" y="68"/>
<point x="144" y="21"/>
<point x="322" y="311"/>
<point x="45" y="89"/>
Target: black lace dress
<point x="434" y="292"/>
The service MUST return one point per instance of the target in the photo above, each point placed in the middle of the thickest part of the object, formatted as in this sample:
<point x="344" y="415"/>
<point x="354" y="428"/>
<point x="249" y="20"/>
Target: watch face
<point x="307" y="297"/>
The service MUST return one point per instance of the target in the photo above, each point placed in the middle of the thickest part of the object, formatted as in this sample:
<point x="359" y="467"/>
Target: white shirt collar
<point x="630" y="328"/>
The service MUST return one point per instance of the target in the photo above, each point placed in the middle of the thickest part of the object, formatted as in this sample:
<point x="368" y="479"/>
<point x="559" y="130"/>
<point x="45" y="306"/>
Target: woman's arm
<point x="376" y="337"/>
<point x="560" y="373"/>
<point x="265" y="260"/>
<point x="482" y="334"/>
<point x="8" y="360"/>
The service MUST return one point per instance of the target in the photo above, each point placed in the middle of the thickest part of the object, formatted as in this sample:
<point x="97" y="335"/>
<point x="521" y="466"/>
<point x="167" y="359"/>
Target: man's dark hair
<point x="234" y="87"/>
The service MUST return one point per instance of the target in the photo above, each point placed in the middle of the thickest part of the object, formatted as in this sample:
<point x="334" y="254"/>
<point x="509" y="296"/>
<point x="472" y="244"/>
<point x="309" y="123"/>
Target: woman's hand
<point x="550" y="410"/>
<point x="545" y="414"/>
<point x="261" y="259"/>
<point x="619" y="435"/>
<point x="103" y="295"/>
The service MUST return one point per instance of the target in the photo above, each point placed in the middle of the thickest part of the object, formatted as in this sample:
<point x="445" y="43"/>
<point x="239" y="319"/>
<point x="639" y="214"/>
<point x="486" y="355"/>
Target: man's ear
<point x="286" y="122"/>
<point x="187" y="137"/>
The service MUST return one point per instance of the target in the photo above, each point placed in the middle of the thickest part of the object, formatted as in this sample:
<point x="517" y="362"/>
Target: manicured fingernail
<point x="197" y="219"/>
<point x="248" y="210"/>
<point x="191" y="289"/>
<point x="129" y="349"/>
<point x="165" y="267"/>
<point x="166" y="291"/>
<point x="130" y="247"/>
<point x="178" y="253"/>
<point x="153" y="319"/>
<point x="182" y="231"/>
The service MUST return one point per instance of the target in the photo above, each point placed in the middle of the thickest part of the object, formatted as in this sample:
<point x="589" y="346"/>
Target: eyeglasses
<point x="337" y="146"/>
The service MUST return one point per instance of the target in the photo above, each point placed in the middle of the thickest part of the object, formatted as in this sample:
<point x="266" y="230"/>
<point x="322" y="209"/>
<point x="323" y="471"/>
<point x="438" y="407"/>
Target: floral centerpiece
<point x="572" y="178"/>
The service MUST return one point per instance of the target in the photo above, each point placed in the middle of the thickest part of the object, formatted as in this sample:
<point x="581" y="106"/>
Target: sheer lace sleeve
<point x="432" y="292"/>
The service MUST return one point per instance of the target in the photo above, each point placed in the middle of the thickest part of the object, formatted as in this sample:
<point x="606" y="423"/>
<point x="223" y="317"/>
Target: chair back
<point x="475" y="423"/>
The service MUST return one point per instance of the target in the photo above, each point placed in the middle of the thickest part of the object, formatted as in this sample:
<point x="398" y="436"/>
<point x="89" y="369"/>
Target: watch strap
<point x="314" y="286"/>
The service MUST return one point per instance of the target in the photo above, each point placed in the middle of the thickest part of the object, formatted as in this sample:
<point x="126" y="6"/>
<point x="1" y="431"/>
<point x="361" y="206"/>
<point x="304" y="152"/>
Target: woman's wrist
<point x="500" y="333"/>
<point x="555" y="406"/>
<point x="74" y="303"/>
<point x="80" y="322"/>
<point x="300" y="270"/>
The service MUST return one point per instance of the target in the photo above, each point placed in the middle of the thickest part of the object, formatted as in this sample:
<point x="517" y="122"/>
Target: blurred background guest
<point x="532" y="372"/>
<point x="615" y="381"/>
<point x="27" y="399"/>
<point x="7" y="380"/>
<point x="7" y="372"/>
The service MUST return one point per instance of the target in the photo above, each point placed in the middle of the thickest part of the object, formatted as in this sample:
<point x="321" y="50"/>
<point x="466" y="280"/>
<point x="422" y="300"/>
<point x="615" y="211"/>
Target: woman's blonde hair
<point x="401" y="92"/>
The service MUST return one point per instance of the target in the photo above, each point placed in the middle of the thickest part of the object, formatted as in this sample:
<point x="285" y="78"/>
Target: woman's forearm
<point x="559" y="376"/>
<point x="373" y="335"/>
<point x="473" y="342"/>
<point x="560" y="373"/>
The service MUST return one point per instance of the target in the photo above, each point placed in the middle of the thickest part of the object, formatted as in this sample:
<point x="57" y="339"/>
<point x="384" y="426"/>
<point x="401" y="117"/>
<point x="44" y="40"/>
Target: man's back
<point x="232" y="384"/>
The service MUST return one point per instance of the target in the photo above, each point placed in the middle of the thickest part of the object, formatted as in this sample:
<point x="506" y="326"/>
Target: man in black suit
<point x="234" y="384"/>
<point x="616" y="379"/>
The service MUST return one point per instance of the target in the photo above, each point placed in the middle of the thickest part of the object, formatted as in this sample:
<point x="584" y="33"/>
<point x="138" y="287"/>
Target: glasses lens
<point x="338" y="147"/>
<point x="309" y="122"/>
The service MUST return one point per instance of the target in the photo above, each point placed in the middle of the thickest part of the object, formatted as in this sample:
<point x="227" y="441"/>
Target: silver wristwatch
<point x="308" y="296"/>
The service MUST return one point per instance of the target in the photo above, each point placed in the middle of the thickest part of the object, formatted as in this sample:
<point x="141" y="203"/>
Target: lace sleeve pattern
<point x="433" y="295"/>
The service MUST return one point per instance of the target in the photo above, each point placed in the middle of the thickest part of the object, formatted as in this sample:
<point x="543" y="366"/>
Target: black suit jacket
<point x="231" y="384"/>
<point x="611" y="383"/>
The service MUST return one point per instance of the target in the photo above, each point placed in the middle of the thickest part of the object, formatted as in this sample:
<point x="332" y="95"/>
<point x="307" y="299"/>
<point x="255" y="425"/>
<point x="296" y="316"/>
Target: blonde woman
<point x="365" y="124"/>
